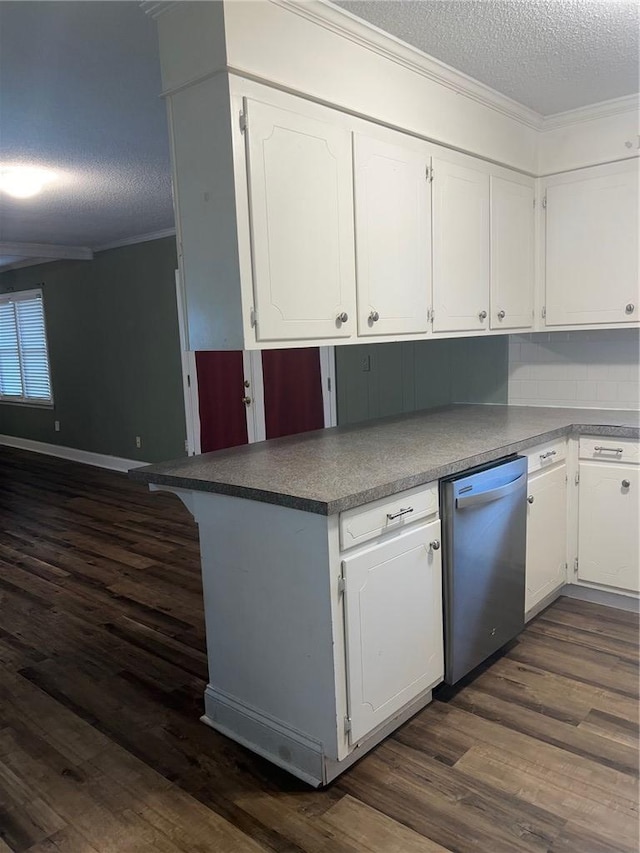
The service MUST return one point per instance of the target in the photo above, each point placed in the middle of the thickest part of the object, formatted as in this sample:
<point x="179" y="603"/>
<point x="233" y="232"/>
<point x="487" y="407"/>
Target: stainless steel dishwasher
<point x="484" y="540"/>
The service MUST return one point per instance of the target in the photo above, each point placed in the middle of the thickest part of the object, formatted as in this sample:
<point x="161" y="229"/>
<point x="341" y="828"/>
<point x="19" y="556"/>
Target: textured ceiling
<point x="80" y="83"/>
<point x="79" y="96"/>
<point x="552" y="55"/>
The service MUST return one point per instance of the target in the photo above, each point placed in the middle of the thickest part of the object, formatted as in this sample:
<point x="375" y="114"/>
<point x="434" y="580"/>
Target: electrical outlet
<point x="56" y="426"/>
<point x="366" y="364"/>
<point x="138" y="441"/>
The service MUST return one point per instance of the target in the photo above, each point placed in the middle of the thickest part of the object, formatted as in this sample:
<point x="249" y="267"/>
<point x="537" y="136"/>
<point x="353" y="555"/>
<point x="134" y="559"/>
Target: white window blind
<point x="24" y="360"/>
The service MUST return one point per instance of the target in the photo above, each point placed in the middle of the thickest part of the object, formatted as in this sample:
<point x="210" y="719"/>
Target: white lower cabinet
<point x="546" y="534"/>
<point x="608" y="540"/>
<point x="393" y="625"/>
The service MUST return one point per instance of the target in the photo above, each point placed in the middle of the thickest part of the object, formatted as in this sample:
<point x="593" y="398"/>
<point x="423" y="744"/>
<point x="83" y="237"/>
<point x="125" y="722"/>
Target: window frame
<point x="36" y="402"/>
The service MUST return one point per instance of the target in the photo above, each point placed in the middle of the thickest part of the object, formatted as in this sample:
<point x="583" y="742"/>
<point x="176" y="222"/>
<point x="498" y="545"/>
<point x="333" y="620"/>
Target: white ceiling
<point x="80" y="84"/>
<point x="551" y="55"/>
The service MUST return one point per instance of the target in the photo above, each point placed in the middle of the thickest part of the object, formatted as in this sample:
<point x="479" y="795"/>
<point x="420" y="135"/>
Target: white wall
<point x="588" y="369"/>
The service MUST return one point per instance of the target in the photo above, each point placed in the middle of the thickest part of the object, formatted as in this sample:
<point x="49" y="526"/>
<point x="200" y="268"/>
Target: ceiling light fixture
<point x="24" y="181"/>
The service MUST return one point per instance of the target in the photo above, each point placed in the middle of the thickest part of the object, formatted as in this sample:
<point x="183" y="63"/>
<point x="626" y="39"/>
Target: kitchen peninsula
<point x="323" y="600"/>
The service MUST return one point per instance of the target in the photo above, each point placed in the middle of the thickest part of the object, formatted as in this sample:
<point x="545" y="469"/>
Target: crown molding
<point x="46" y="250"/>
<point x="346" y="25"/>
<point x="603" y="109"/>
<point x="140" y="238"/>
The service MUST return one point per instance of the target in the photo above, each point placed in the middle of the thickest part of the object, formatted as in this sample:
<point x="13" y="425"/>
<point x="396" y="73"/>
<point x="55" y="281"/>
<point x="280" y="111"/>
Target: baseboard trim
<point x="98" y="460"/>
<point x="600" y="596"/>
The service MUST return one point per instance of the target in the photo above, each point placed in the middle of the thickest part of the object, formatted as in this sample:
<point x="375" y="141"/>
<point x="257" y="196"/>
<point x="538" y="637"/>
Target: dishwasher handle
<point x="491" y="494"/>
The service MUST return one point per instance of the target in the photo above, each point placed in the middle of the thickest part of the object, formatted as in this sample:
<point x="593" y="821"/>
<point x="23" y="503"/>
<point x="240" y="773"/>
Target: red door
<point x="223" y="419"/>
<point x="292" y="391"/>
<point x="292" y="395"/>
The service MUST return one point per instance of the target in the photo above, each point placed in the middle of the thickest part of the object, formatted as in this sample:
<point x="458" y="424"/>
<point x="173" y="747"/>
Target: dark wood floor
<point x="102" y="670"/>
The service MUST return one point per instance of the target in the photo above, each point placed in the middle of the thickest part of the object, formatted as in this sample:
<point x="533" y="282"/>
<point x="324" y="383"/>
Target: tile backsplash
<point x="587" y="369"/>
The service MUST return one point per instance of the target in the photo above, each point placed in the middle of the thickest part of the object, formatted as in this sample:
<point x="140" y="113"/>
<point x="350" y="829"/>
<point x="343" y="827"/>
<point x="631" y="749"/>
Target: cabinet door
<point x="512" y="254"/>
<point x="592" y="246"/>
<point x="460" y="248"/>
<point x="301" y="211"/>
<point x="393" y="238"/>
<point x="608" y="545"/>
<point x="546" y="566"/>
<point x="393" y="616"/>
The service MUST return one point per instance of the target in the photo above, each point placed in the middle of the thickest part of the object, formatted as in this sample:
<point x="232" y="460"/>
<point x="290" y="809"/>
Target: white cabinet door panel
<point x="608" y="540"/>
<point x="393" y="618"/>
<point x="460" y="248"/>
<point x="301" y="211"/>
<point x="592" y="247"/>
<point x="546" y="534"/>
<point x="393" y="237"/>
<point x="512" y="254"/>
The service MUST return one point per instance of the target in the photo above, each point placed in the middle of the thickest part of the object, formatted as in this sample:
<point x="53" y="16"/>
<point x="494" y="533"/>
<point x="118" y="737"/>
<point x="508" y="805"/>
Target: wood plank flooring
<point x="102" y="672"/>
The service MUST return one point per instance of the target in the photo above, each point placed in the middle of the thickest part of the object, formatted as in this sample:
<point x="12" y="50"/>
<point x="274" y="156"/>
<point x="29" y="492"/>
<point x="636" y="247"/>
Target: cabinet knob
<point x="482" y="315"/>
<point x="630" y="308"/>
<point x="626" y="484"/>
<point x="342" y="318"/>
<point x="374" y="317"/>
<point x="246" y="401"/>
<point x="530" y="499"/>
<point x="435" y="545"/>
<point x="502" y="315"/>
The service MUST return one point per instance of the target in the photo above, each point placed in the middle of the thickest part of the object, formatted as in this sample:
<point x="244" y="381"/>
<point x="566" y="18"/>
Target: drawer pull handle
<point x="600" y="449"/>
<point x="626" y="484"/>
<point x="548" y="454"/>
<point x="530" y="499"/>
<point x="435" y="545"/>
<point x="392" y="516"/>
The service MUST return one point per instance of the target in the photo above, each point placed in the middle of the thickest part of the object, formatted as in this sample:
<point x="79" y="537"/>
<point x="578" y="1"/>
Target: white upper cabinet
<point x="592" y="246"/>
<point x="512" y="254"/>
<point x="460" y="247"/>
<point x="301" y="218"/>
<point x="393" y="236"/>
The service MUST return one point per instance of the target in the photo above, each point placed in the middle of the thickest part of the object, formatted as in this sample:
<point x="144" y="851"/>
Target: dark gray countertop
<point x="331" y="470"/>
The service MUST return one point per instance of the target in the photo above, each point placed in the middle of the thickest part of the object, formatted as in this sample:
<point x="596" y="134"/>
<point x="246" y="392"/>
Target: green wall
<point x="377" y="380"/>
<point x="114" y="349"/>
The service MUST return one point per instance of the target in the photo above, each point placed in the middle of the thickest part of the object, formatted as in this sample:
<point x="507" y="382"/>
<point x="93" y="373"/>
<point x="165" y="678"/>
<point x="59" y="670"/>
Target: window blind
<point x="24" y="359"/>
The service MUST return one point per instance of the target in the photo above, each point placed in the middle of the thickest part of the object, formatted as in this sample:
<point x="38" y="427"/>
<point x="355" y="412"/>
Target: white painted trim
<point x="99" y="460"/>
<point x="140" y="238"/>
<point x="47" y="250"/>
<point x="603" y="109"/>
<point x="328" y="380"/>
<point x="348" y="26"/>
<point x="32" y="262"/>
<point x="189" y="376"/>
<point x="252" y="368"/>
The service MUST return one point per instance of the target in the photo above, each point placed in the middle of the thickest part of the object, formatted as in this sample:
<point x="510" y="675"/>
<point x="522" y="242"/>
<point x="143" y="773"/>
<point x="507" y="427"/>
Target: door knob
<point x="246" y="401"/>
<point x="435" y="545"/>
<point x="530" y="499"/>
<point x="626" y="484"/>
<point x="374" y="317"/>
<point x="502" y="315"/>
<point x="482" y="315"/>
<point x="342" y="318"/>
<point x="630" y="308"/>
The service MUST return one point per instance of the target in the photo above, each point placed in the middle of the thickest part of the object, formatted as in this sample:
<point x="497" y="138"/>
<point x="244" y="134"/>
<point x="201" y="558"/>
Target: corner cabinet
<point x="592" y="246"/>
<point x="609" y="509"/>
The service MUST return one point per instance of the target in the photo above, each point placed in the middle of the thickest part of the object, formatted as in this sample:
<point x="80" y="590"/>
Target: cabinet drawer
<point x="387" y="515"/>
<point x="546" y="454"/>
<point x="610" y="450"/>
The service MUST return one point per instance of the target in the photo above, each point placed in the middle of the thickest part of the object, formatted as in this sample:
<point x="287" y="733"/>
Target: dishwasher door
<point x="484" y="542"/>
